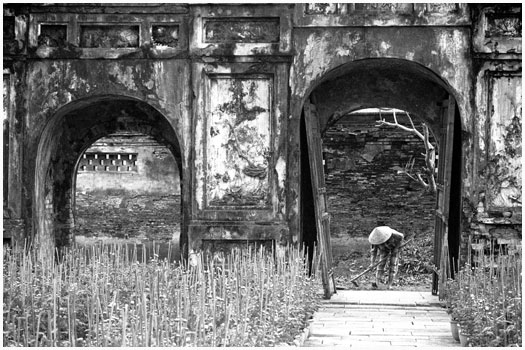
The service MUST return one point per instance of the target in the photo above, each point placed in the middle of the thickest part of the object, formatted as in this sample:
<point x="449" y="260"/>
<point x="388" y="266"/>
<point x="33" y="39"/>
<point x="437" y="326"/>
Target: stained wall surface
<point x="224" y="87"/>
<point x="127" y="187"/>
<point x="135" y="164"/>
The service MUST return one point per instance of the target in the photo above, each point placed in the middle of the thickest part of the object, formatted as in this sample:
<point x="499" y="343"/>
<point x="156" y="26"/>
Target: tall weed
<point x="108" y="296"/>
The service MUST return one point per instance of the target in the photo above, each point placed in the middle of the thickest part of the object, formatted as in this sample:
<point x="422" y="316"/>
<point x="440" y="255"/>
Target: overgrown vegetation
<point x="486" y="299"/>
<point x="416" y="258"/>
<point x="105" y="296"/>
<point x="415" y="264"/>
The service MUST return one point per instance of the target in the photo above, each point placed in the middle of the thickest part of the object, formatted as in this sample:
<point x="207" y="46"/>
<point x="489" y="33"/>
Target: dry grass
<point x="107" y="296"/>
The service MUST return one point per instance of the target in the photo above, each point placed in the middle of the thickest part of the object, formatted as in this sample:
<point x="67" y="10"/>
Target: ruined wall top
<point x="132" y="31"/>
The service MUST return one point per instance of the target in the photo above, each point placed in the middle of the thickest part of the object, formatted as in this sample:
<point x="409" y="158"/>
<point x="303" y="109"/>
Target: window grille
<point x="109" y="162"/>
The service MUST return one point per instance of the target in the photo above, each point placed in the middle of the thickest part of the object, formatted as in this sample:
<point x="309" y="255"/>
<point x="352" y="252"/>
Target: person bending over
<point x="386" y="243"/>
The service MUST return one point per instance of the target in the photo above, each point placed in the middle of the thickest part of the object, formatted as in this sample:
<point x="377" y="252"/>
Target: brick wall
<point x="146" y="217"/>
<point x="362" y="182"/>
<point x="133" y="193"/>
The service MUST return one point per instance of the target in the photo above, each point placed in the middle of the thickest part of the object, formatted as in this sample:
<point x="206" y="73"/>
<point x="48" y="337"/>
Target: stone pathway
<point x="380" y="319"/>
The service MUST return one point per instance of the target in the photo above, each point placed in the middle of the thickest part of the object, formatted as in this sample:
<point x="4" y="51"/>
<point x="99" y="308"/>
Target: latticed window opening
<point x="112" y="162"/>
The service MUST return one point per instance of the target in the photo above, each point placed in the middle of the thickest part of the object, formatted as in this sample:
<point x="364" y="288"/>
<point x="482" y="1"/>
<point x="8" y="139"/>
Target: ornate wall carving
<point x="238" y="136"/>
<point x="507" y="26"/>
<point x="242" y="30"/>
<point x="107" y="36"/>
<point x="53" y="35"/>
<point x="165" y="35"/>
<point x="65" y="35"/>
<point x="504" y="140"/>
<point x="498" y="31"/>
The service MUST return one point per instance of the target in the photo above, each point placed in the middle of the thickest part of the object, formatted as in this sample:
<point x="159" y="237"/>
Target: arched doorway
<point x="127" y="191"/>
<point x="375" y="170"/>
<point x="73" y="129"/>
<point x="392" y="83"/>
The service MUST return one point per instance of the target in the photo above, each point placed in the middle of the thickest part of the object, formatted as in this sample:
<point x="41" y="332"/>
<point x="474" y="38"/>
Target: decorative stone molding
<point x="72" y="35"/>
<point x="241" y="30"/>
<point x="109" y="36"/>
<point x="165" y="35"/>
<point x="498" y="32"/>
<point x="381" y="14"/>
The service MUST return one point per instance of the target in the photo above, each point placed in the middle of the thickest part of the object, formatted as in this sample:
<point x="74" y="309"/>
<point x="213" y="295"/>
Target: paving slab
<point x="380" y="319"/>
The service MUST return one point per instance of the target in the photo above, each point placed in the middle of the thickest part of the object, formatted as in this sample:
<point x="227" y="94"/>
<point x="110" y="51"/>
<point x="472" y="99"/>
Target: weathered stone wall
<point x="362" y="180"/>
<point x="152" y="170"/>
<point x="352" y="57"/>
<point x="143" y="218"/>
<point x="137" y="199"/>
<point x="493" y="213"/>
<point x="186" y="72"/>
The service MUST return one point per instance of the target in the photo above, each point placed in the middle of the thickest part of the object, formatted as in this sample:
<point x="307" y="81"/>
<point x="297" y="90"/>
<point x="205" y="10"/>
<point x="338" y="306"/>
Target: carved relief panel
<point x="239" y="142"/>
<point x="68" y="35"/>
<point x="225" y="30"/>
<point x="503" y="134"/>
<point x="497" y="31"/>
<point x="238" y="134"/>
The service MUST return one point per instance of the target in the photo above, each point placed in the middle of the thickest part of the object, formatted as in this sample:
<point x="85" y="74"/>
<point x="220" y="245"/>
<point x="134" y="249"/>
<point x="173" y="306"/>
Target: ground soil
<point x="351" y="256"/>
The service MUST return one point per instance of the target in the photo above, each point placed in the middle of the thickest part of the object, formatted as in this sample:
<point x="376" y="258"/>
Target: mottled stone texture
<point x="141" y="205"/>
<point x="242" y="30"/>
<point x="153" y="168"/>
<point x="362" y="180"/>
<point x="144" y="218"/>
<point x="149" y="68"/>
<point x="238" y="143"/>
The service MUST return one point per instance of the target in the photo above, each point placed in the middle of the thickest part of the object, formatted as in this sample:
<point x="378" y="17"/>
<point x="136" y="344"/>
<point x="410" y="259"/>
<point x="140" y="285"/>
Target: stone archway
<point x="408" y="86"/>
<point x="68" y="134"/>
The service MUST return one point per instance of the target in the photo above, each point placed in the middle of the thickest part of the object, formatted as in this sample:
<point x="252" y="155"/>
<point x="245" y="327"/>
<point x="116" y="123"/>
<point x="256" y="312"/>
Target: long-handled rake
<point x="370" y="268"/>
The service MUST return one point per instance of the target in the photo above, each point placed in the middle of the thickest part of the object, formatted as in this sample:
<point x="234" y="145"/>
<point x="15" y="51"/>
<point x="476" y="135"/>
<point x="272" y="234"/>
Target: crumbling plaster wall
<point x="450" y="46"/>
<point x="55" y="86"/>
<point x="154" y="170"/>
<point x="240" y="83"/>
<point x="68" y="77"/>
<point x="133" y="193"/>
<point x="324" y="53"/>
<point x="495" y="206"/>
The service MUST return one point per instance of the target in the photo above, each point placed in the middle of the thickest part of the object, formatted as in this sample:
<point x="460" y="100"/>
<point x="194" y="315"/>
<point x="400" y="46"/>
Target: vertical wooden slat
<point x="443" y="192"/>
<point x="448" y="156"/>
<point x="322" y="218"/>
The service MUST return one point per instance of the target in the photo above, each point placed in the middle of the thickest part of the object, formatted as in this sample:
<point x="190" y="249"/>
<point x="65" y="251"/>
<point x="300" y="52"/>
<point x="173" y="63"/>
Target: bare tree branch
<point x="430" y="160"/>
<point x="412" y="130"/>
<point x="430" y="152"/>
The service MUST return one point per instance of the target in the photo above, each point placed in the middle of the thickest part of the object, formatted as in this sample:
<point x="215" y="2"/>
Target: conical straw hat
<point x="380" y="234"/>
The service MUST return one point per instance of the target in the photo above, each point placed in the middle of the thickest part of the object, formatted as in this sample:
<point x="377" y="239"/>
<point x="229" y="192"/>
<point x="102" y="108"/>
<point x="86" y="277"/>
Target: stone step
<point x="380" y="320"/>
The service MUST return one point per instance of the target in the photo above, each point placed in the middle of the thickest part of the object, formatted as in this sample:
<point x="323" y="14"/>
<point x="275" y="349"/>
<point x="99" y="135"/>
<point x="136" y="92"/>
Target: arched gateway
<point x="394" y="83"/>
<point x="67" y="135"/>
<point x="227" y="87"/>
